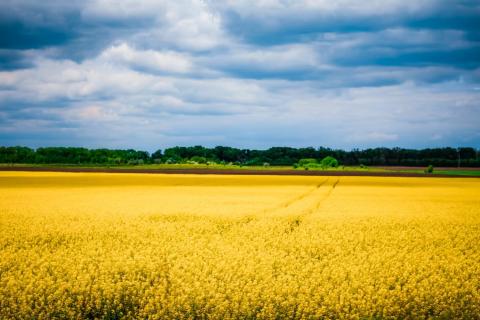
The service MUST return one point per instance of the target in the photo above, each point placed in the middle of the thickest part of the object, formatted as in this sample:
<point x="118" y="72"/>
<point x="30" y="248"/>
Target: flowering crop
<point x="129" y="246"/>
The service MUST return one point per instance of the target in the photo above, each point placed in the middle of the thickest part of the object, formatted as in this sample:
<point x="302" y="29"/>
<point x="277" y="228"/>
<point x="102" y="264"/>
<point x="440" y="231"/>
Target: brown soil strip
<point x="239" y="172"/>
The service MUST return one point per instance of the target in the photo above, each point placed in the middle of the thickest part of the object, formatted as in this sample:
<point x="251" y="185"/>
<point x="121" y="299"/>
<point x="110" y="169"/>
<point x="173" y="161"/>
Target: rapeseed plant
<point x="120" y="246"/>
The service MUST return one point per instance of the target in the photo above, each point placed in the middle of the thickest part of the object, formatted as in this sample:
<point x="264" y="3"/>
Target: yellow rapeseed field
<point x="139" y="246"/>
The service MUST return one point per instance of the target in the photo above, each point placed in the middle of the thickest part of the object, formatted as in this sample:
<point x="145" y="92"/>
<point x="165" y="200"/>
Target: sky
<point x="152" y="74"/>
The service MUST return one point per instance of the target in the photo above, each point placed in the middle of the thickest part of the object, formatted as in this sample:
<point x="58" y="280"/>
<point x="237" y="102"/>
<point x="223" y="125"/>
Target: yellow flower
<point x="227" y="247"/>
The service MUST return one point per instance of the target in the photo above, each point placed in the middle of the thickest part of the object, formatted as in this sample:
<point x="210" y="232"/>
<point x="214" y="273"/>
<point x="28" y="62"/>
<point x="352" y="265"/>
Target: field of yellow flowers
<point x="139" y="246"/>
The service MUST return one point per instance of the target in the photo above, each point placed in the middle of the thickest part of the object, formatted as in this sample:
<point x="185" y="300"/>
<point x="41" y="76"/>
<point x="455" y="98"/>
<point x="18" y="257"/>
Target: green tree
<point x="429" y="169"/>
<point x="329" y="162"/>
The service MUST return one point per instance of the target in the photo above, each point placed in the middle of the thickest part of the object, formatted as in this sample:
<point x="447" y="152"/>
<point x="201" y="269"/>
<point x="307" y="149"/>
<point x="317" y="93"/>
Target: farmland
<point x="249" y="170"/>
<point x="111" y="246"/>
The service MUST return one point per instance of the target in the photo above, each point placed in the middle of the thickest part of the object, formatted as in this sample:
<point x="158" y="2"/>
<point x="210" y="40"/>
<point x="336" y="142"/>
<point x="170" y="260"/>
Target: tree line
<point x="275" y="156"/>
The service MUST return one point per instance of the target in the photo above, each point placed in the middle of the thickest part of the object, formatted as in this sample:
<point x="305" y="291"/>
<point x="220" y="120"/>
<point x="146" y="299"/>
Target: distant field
<point x="224" y="168"/>
<point x="112" y="246"/>
<point x="441" y="170"/>
<point x="475" y="172"/>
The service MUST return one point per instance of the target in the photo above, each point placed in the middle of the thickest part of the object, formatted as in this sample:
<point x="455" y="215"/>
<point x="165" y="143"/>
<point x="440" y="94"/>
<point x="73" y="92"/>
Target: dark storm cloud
<point x="65" y="26"/>
<point x="14" y="59"/>
<point x="447" y="22"/>
<point x="461" y="58"/>
<point x="16" y="35"/>
<point x="34" y="24"/>
<point x="286" y="24"/>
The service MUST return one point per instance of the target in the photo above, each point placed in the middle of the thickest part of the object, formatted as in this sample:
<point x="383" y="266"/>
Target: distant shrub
<point x="198" y="159"/>
<point x="429" y="169"/>
<point x="295" y="165"/>
<point x="329" y="162"/>
<point x="306" y="161"/>
<point x="312" y="165"/>
<point x="266" y="164"/>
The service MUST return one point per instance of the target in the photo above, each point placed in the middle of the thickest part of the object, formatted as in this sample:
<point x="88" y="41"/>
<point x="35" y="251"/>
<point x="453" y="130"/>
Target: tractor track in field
<point x="267" y="172"/>
<point x="325" y="197"/>
<point x="297" y="220"/>
<point x="296" y="199"/>
<point x="320" y="198"/>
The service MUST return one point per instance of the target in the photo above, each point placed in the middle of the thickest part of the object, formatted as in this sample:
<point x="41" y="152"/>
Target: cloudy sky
<point x="151" y="74"/>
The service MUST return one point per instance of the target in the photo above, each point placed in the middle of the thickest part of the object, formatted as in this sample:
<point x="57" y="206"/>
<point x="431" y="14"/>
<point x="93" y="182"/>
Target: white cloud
<point x="112" y="100"/>
<point x="184" y="25"/>
<point x="276" y="59"/>
<point x="187" y="72"/>
<point x="122" y="9"/>
<point x="148" y="59"/>
<point x="64" y="79"/>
